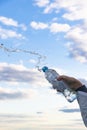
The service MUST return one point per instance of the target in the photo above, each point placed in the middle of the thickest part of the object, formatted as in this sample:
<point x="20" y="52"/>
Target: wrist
<point x="83" y="88"/>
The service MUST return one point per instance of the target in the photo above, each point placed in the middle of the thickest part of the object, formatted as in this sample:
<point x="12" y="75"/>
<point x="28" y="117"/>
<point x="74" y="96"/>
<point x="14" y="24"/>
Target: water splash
<point x="40" y="57"/>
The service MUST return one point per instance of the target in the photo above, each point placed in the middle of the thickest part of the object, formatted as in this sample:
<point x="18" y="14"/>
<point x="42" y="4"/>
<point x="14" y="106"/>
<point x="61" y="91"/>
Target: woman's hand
<point x="70" y="81"/>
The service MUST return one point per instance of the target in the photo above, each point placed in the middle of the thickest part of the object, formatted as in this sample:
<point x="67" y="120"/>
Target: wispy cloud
<point x="8" y="21"/>
<point x="42" y="3"/>
<point x="19" y="73"/>
<point x="58" y="27"/>
<point x="11" y="22"/>
<point x="35" y="122"/>
<point x="54" y="27"/>
<point x="10" y="94"/>
<point x="38" y="25"/>
<point x="78" y="47"/>
<point x="13" y="28"/>
<point x="70" y="110"/>
<point x="8" y="33"/>
<point x="74" y="11"/>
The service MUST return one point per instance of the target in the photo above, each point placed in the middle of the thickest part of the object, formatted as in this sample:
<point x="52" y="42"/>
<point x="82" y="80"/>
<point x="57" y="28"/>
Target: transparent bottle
<point x="51" y="75"/>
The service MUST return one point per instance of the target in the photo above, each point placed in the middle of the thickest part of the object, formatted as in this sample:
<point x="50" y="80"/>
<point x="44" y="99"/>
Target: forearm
<point x="82" y="101"/>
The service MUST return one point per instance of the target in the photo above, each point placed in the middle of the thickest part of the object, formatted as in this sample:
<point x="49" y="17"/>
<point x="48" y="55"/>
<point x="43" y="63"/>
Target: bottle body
<point x="51" y="75"/>
<point x="69" y="95"/>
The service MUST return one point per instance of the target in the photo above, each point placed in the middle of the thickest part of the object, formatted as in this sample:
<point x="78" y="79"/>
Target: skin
<point x="73" y="83"/>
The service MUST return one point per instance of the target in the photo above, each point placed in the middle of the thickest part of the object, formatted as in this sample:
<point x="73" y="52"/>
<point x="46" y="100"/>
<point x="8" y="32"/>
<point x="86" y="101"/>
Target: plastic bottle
<point x="51" y="75"/>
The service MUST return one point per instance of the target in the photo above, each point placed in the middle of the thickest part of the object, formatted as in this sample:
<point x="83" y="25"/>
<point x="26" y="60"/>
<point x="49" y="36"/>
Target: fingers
<point x="63" y="77"/>
<point x="66" y="79"/>
<point x="70" y="81"/>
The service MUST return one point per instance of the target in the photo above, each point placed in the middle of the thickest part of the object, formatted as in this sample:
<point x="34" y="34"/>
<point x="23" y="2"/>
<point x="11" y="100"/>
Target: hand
<point x="70" y="81"/>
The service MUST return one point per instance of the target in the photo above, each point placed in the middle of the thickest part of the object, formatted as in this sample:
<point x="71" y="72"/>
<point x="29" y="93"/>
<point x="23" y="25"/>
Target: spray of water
<point x="40" y="57"/>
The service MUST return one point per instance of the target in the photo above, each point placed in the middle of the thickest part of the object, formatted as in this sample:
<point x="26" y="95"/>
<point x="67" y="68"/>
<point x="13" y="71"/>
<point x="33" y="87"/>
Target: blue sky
<point x="55" y="31"/>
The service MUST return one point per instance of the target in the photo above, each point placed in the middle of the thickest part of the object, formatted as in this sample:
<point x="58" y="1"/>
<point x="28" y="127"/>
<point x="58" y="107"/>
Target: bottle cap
<point x="45" y="68"/>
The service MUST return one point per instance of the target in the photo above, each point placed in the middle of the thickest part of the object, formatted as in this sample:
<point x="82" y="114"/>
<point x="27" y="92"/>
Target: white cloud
<point x="19" y="73"/>
<point x="78" y="36"/>
<point x="77" y="52"/>
<point x="19" y="67"/>
<point x="10" y="94"/>
<point x="74" y="9"/>
<point x="42" y="3"/>
<point x="5" y="33"/>
<point x="10" y="33"/>
<point x="56" y="27"/>
<point x="11" y="22"/>
<point x="49" y="8"/>
<point x="78" y="46"/>
<point x="53" y="27"/>
<point x="8" y="21"/>
<point x="38" y="25"/>
<point x="80" y="58"/>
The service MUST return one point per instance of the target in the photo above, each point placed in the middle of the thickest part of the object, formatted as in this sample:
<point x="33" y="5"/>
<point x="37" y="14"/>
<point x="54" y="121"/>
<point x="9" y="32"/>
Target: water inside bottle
<point x="70" y="95"/>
